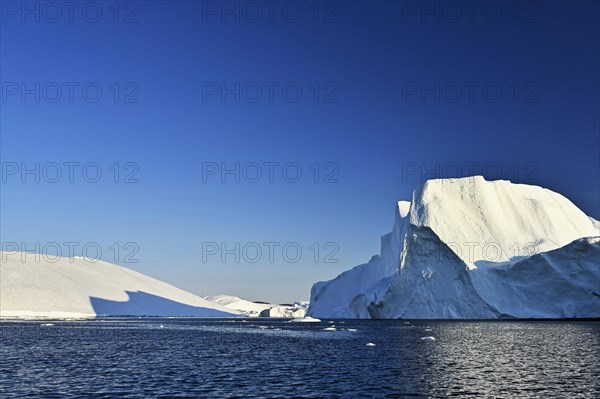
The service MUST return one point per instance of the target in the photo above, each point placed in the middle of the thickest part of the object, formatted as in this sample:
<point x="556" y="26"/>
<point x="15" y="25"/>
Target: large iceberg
<point x="33" y="286"/>
<point x="474" y="249"/>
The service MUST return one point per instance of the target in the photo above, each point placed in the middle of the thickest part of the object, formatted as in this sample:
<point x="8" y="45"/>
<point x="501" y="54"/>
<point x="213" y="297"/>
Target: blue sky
<point x="390" y="93"/>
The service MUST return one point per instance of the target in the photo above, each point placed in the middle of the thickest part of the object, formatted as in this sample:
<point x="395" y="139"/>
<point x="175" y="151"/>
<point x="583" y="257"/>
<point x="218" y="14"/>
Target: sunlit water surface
<point x="222" y="358"/>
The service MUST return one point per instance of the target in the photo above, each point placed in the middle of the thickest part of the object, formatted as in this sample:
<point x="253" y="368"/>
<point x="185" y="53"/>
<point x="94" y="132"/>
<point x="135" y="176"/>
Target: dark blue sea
<point x="249" y="358"/>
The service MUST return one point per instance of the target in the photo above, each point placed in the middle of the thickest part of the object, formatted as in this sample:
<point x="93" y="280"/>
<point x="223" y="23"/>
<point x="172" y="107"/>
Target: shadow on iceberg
<point x="144" y="304"/>
<point x="506" y="264"/>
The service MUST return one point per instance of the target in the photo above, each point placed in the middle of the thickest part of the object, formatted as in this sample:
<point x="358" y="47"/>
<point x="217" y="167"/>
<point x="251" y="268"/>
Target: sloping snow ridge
<point x="249" y="308"/>
<point x="42" y="286"/>
<point x="474" y="249"/>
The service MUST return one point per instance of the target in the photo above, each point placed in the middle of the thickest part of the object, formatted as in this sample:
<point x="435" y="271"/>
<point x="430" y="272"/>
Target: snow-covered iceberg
<point x="294" y="310"/>
<point x="259" y="309"/>
<point x="39" y="286"/>
<point x="475" y="249"/>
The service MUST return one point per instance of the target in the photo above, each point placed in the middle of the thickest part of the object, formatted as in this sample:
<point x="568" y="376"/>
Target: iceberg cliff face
<point x="472" y="249"/>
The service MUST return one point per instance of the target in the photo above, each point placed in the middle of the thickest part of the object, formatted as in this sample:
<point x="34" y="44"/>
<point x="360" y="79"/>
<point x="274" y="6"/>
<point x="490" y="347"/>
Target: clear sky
<point x="200" y="115"/>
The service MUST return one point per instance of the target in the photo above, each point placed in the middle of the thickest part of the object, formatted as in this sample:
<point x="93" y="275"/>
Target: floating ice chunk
<point x="352" y="329"/>
<point x="329" y="329"/>
<point x="428" y="338"/>
<point x="46" y="325"/>
<point x="370" y="344"/>
<point x="427" y="273"/>
<point x="306" y="319"/>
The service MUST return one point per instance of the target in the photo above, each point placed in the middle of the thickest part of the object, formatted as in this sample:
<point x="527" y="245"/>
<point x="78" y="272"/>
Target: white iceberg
<point x="39" y="287"/>
<point x="260" y="309"/>
<point x="306" y="319"/>
<point x="475" y="249"/>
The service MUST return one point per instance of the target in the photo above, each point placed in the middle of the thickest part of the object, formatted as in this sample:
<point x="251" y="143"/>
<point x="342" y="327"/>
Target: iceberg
<point x="260" y="309"/>
<point x="39" y="287"/>
<point x="474" y="249"/>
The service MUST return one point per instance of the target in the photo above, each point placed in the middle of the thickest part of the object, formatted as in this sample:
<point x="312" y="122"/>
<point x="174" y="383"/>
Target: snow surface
<point x="251" y="309"/>
<point x="254" y="309"/>
<point x="33" y="287"/>
<point x="470" y="248"/>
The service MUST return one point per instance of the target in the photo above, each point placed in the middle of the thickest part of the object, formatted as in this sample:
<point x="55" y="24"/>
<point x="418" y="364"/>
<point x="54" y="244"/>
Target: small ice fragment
<point x="352" y="329"/>
<point x="329" y="329"/>
<point x="428" y="338"/>
<point x="370" y="344"/>
<point x="306" y="319"/>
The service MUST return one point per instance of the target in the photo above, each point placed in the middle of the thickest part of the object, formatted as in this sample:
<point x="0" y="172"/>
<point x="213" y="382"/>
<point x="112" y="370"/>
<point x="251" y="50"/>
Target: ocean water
<point x="226" y="358"/>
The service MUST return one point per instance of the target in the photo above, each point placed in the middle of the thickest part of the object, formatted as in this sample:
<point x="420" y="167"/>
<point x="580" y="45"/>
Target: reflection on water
<point x="263" y="357"/>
